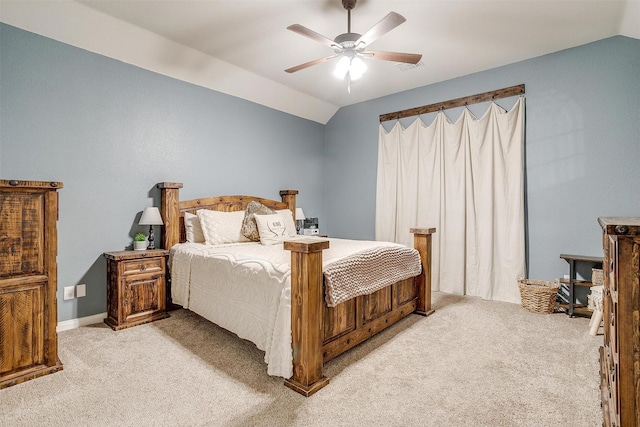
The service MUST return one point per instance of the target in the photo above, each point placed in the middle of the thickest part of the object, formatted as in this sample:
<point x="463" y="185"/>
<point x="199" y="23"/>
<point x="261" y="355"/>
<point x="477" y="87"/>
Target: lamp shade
<point x="342" y="67"/>
<point x="151" y="216"/>
<point x="357" y="68"/>
<point x="352" y="65"/>
<point x="299" y="214"/>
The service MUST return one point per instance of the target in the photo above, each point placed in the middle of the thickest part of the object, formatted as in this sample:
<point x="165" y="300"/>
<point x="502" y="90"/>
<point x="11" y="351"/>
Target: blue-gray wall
<point x="582" y="147"/>
<point x="110" y="131"/>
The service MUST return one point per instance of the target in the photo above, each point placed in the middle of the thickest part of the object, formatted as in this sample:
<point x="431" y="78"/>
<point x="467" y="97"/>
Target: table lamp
<point x="151" y="216"/>
<point x="299" y="218"/>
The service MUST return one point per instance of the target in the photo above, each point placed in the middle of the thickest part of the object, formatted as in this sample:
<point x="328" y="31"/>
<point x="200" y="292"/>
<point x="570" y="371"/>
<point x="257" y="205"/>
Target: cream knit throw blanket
<point x="368" y="271"/>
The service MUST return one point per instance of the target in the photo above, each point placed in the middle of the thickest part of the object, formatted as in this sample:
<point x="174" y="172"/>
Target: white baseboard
<point x="82" y="321"/>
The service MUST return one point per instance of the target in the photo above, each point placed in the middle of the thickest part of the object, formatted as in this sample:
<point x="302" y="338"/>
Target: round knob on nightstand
<point x="622" y="229"/>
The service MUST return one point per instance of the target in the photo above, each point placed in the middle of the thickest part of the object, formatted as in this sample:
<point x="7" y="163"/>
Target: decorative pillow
<point x="193" y="229"/>
<point x="249" y="227"/>
<point x="272" y="229"/>
<point x="288" y="221"/>
<point x="221" y="227"/>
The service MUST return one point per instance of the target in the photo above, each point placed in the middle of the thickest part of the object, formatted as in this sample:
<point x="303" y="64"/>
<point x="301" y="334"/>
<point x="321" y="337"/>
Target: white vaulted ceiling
<point x="242" y="47"/>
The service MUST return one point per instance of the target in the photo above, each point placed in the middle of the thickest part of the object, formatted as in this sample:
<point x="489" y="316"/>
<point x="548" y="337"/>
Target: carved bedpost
<point x="170" y="211"/>
<point x="289" y="197"/>
<point x="422" y="242"/>
<point x="306" y="315"/>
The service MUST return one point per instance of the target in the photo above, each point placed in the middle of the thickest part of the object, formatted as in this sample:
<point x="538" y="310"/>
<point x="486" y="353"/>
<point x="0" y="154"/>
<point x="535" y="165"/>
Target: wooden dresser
<point x="28" y="280"/>
<point x="620" y="355"/>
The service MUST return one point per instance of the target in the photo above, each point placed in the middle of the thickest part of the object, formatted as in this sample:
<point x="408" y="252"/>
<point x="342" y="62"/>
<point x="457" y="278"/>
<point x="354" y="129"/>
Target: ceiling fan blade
<point x="383" y="26"/>
<point x="409" y="58"/>
<point x="297" y="28"/>
<point x="310" y="63"/>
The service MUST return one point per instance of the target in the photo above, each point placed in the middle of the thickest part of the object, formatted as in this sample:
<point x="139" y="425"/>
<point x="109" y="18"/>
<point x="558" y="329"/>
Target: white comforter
<point x="246" y="289"/>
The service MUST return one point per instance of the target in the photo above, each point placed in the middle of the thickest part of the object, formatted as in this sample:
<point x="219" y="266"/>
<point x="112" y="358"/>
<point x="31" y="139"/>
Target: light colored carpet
<point x="472" y="363"/>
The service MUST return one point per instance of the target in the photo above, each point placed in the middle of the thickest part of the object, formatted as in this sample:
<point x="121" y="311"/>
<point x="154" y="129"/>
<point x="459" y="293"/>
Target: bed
<point x="318" y="331"/>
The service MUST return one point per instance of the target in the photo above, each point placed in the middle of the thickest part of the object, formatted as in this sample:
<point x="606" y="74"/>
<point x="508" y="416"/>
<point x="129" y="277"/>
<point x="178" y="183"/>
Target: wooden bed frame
<point x="319" y="333"/>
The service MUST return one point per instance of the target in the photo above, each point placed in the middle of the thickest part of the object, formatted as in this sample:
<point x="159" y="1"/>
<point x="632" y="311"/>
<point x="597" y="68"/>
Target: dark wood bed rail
<point x="318" y="332"/>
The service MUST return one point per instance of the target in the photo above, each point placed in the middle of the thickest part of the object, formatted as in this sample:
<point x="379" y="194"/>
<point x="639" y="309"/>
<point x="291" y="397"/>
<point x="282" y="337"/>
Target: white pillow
<point x="192" y="227"/>
<point x="221" y="227"/>
<point x="288" y="221"/>
<point x="273" y="228"/>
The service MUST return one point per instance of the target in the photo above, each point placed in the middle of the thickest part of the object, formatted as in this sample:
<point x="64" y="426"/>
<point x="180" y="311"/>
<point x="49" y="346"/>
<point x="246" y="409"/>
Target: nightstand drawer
<point x="151" y="265"/>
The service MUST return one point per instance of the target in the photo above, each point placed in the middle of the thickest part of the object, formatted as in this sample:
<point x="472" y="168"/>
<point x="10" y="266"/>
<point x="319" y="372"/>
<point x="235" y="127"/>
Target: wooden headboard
<point x="172" y="209"/>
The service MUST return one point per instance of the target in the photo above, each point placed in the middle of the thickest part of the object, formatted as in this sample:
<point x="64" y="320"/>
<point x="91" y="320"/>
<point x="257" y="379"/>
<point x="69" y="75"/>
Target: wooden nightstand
<point x="136" y="287"/>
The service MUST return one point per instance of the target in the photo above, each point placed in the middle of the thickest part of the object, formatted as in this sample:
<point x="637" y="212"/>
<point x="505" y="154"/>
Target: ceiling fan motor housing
<point x="349" y="4"/>
<point x="347" y="40"/>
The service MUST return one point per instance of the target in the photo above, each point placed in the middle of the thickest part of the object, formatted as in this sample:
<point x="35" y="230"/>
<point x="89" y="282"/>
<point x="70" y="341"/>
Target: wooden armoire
<point x="620" y="355"/>
<point x="28" y="280"/>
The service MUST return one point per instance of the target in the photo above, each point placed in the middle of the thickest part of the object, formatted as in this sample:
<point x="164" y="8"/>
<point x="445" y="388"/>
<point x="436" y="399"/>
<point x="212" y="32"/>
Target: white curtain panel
<point x="467" y="180"/>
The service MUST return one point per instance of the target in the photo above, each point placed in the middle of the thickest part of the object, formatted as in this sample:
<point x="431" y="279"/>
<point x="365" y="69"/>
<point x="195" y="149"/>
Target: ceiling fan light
<point x="357" y="69"/>
<point x="342" y="67"/>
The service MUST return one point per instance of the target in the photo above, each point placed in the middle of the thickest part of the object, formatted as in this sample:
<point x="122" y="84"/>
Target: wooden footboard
<point x="319" y="333"/>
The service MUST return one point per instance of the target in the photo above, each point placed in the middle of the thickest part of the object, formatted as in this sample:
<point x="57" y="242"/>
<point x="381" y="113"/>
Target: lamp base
<point x="151" y="238"/>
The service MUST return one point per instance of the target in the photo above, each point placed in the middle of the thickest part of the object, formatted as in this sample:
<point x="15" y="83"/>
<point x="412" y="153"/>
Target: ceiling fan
<point x="352" y="47"/>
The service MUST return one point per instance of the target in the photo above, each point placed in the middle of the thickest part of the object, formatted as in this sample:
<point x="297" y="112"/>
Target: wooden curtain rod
<point x="460" y="102"/>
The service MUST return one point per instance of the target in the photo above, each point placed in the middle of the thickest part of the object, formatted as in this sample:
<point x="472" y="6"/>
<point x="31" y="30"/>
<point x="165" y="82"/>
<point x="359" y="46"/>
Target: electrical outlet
<point x="81" y="290"/>
<point x="69" y="292"/>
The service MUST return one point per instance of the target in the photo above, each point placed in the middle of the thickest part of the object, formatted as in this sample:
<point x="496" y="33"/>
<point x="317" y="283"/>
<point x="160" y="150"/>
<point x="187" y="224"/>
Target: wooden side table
<point x="136" y="287"/>
<point x="572" y="282"/>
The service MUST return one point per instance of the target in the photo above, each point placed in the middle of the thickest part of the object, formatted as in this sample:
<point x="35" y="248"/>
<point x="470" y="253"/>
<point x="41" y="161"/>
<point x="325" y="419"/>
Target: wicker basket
<point x="538" y="296"/>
